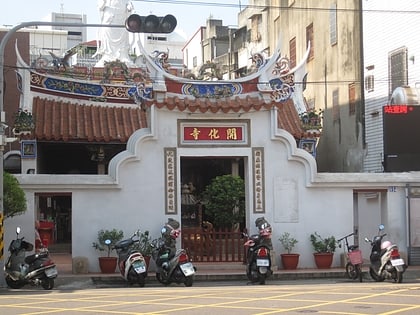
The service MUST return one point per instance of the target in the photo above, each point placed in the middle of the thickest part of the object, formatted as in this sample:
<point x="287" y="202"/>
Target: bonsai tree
<point x="14" y="200"/>
<point x="224" y="200"/>
<point x="287" y="242"/>
<point x="323" y="245"/>
<point x="107" y="239"/>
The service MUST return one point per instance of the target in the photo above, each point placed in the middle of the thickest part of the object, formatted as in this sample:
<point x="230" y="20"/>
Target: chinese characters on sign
<point x="213" y="133"/>
<point x="170" y="182"/>
<point x="397" y="109"/>
<point x="258" y="166"/>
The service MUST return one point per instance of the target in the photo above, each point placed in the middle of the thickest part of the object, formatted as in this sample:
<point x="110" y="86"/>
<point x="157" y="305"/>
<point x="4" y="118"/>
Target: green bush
<point x="224" y="201"/>
<point x="14" y="201"/>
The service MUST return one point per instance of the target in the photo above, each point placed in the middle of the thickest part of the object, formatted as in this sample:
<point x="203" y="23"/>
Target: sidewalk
<point x="208" y="272"/>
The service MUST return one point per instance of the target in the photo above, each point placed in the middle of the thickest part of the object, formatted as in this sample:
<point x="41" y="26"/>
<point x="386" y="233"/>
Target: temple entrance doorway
<point x="200" y="237"/>
<point x="53" y="210"/>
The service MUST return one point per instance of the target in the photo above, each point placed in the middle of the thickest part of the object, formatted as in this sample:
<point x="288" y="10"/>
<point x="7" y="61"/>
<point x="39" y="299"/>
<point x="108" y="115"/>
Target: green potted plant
<point x="289" y="260"/>
<point x="324" y="250"/>
<point x="105" y="242"/>
<point x="145" y="245"/>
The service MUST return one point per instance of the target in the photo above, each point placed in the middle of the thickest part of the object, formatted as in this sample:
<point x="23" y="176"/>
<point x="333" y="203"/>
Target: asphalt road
<point x="276" y="297"/>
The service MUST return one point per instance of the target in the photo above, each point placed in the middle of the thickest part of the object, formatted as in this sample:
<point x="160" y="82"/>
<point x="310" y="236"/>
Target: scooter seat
<point x="31" y="258"/>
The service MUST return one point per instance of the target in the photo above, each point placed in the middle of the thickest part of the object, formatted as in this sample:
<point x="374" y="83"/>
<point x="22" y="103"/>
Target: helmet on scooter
<point x="386" y="244"/>
<point x="171" y="229"/>
<point x="263" y="226"/>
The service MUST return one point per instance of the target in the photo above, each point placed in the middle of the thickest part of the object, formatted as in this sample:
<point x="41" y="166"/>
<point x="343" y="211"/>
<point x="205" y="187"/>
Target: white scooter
<point x="385" y="259"/>
<point x="132" y="265"/>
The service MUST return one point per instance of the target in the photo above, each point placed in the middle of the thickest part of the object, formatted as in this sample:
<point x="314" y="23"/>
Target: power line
<point x="284" y="8"/>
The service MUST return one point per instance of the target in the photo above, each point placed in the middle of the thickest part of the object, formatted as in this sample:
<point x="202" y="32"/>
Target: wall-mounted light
<point x="412" y="58"/>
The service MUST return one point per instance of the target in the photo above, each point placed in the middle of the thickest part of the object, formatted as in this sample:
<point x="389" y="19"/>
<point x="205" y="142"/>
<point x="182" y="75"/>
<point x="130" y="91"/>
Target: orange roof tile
<point x="65" y="121"/>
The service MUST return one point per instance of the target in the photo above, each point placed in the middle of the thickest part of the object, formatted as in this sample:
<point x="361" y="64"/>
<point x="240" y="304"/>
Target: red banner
<point x="224" y="134"/>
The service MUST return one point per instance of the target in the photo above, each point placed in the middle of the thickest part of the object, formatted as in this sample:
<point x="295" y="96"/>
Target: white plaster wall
<point x="297" y="198"/>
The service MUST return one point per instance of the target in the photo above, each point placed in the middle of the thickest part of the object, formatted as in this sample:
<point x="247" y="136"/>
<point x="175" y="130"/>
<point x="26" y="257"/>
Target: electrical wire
<point x="259" y="6"/>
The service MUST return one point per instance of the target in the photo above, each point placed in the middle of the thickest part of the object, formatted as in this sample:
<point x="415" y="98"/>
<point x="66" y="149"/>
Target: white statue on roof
<point x="114" y="43"/>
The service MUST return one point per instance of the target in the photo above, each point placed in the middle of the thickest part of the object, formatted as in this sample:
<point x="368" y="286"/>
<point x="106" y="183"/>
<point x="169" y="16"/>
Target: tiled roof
<point x="65" y="121"/>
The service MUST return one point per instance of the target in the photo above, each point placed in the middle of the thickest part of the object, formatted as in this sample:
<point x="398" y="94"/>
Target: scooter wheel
<point x="375" y="276"/>
<point x="397" y="276"/>
<point x="161" y="279"/>
<point x="47" y="283"/>
<point x="14" y="284"/>
<point x="189" y="281"/>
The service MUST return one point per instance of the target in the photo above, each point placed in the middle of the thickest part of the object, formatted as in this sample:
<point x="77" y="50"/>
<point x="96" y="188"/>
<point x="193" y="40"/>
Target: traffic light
<point x="150" y="24"/>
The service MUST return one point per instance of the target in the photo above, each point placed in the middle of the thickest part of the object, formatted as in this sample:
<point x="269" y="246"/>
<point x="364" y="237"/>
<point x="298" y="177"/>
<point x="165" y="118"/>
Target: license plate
<point x="187" y="269"/>
<point x="263" y="263"/>
<point x="397" y="262"/>
<point x="139" y="266"/>
<point x="51" y="272"/>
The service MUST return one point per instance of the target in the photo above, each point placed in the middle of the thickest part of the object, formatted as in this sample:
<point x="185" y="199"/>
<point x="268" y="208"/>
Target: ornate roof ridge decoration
<point x="273" y="80"/>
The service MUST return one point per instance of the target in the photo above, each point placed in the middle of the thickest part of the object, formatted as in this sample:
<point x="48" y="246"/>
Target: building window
<point x="333" y="24"/>
<point x="256" y="21"/>
<point x="335" y="106"/>
<point x="370" y="79"/>
<point x="370" y="83"/>
<point x="292" y="52"/>
<point x="397" y="68"/>
<point x="310" y="39"/>
<point x="352" y="98"/>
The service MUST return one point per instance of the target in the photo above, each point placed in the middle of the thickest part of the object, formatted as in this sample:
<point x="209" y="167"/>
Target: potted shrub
<point x="289" y="260"/>
<point x="105" y="242"/>
<point x="324" y="250"/>
<point x="145" y="245"/>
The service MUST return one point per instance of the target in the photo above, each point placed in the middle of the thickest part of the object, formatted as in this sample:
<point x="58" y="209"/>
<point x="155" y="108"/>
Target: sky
<point x="190" y="14"/>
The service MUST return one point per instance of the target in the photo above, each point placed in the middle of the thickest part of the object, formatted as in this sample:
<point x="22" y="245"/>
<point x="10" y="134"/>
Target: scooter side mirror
<point x="18" y="230"/>
<point x="381" y="227"/>
<point x="367" y="240"/>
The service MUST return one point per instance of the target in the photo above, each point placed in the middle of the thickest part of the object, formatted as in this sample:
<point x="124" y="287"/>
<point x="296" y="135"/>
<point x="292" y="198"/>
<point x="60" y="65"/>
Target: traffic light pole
<point x="3" y="139"/>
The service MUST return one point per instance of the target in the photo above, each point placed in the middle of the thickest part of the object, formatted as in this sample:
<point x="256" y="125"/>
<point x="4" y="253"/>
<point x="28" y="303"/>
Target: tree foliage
<point x="14" y="201"/>
<point x="224" y="200"/>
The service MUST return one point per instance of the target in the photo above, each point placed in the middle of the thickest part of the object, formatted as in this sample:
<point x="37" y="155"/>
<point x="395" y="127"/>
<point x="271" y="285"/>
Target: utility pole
<point x="3" y="138"/>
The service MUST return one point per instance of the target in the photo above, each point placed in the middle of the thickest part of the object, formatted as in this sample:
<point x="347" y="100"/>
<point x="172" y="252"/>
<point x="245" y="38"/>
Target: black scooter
<point x="37" y="269"/>
<point x="258" y="267"/>
<point x="172" y="265"/>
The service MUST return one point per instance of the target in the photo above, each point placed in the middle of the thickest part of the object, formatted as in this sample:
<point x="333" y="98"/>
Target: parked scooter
<point x="385" y="259"/>
<point x="172" y="265"/>
<point x="36" y="269"/>
<point x="354" y="259"/>
<point x="132" y="265"/>
<point x="258" y="267"/>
